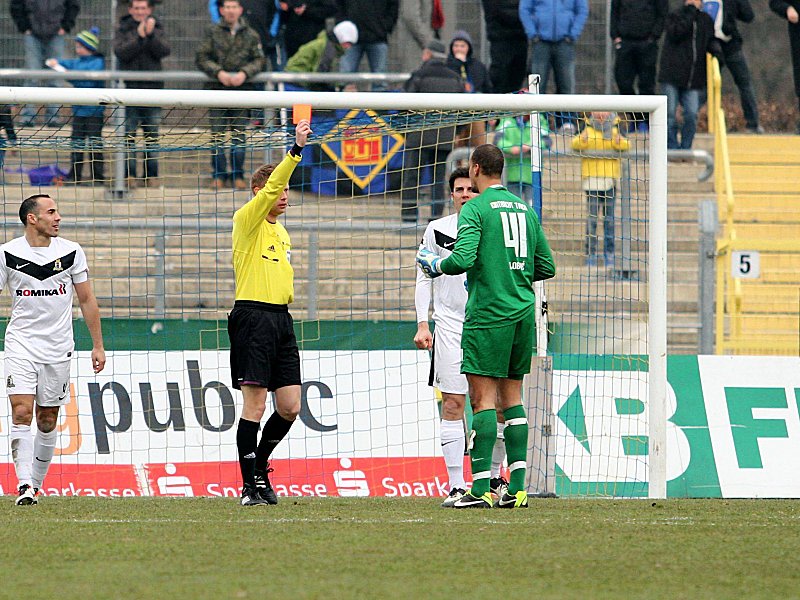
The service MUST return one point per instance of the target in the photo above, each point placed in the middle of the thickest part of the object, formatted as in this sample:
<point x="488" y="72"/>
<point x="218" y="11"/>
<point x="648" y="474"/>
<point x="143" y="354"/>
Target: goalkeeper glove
<point x="429" y="263"/>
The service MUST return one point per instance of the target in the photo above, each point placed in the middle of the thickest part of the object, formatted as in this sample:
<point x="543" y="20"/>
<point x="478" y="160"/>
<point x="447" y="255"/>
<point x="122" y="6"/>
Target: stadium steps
<point x="767" y="164"/>
<point x="764" y="173"/>
<point x="189" y="297"/>
<point x="685" y="196"/>
<point x="758" y="207"/>
<point x="199" y="277"/>
<point x="764" y="176"/>
<point x="781" y="324"/>
<point x="191" y="291"/>
<point x="683" y="332"/>
<point x="777" y="270"/>
<point x="780" y="344"/>
<point x="774" y="298"/>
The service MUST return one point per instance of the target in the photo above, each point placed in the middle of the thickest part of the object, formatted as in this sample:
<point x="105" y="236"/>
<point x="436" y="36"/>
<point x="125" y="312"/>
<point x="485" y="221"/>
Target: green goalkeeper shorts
<point x="502" y="351"/>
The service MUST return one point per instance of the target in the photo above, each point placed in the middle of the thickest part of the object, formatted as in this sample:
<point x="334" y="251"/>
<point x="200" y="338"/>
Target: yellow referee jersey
<point x="261" y="250"/>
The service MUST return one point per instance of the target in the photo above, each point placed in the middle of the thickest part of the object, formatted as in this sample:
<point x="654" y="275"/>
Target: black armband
<point x="296" y="150"/>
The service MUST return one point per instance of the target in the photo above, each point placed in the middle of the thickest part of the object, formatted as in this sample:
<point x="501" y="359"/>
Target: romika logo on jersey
<point x="59" y="291"/>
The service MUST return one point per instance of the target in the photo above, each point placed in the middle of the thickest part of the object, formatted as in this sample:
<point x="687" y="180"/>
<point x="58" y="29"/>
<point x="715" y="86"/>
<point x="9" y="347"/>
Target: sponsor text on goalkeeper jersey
<point x="503" y="250"/>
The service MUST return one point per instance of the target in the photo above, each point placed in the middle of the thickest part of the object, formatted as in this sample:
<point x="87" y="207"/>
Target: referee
<point x="264" y="355"/>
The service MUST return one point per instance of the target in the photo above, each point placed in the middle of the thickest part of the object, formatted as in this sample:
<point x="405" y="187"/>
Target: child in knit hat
<point x="87" y="121"/>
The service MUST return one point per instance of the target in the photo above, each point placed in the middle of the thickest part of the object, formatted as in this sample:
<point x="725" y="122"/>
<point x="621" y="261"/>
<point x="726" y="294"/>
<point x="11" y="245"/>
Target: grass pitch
<point x="398" y="548"/>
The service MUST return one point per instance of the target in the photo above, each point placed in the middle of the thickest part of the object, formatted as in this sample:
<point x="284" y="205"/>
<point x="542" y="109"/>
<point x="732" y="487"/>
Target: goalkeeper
<point x="502" y="248"/>
<point x="264" y="354"/>
<point x="449" y="297"/>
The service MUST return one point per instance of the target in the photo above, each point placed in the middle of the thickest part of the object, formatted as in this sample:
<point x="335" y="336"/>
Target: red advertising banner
<point x="80" y="480"/>
<point x="347" y="477"/>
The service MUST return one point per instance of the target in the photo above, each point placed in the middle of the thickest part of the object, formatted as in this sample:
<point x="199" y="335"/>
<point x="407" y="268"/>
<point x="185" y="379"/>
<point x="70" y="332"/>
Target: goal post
<point x="160" y="420"/>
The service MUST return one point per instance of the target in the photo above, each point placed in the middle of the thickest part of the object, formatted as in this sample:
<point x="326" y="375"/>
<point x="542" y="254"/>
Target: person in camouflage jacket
<point x="231" y="55"/>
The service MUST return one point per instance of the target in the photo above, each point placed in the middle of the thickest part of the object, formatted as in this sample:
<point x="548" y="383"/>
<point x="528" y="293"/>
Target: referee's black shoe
<point x="264" y="487"/>
<point x="251" y="497"/>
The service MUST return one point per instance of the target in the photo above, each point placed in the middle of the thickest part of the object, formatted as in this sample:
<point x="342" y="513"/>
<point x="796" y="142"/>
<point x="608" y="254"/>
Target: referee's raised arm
<point x="250" y="216"/>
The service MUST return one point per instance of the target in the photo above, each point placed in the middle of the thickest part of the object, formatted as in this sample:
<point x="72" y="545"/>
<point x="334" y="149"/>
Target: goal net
<point x="152" y="209"/>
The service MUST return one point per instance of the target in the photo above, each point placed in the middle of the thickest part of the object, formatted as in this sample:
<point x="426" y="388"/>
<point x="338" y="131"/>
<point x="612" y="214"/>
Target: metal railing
<point x="197" y="77"/>
<point x="272" y="81"/>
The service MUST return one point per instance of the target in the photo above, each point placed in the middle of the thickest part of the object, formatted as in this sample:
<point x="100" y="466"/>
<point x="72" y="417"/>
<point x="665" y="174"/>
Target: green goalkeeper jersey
<point x="502" y="248"/>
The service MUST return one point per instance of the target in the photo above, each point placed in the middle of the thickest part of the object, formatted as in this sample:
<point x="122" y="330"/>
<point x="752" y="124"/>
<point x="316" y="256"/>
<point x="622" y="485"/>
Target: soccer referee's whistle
<point x="300" y="112"/>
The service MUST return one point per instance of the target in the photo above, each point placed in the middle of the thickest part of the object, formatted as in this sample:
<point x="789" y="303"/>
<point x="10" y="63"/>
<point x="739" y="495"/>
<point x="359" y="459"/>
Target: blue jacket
<point x="553" y="20"/>
<point x="95" y="62"/>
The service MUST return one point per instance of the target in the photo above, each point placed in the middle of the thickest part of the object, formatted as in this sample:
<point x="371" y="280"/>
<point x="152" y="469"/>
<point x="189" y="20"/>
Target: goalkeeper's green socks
<point x="516" y="434"/>
<point x="484" y="432"/>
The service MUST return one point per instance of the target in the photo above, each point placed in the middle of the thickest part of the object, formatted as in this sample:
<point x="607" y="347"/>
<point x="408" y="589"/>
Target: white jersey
<point x="40" y="281"/>
<point x="449" y="291"/>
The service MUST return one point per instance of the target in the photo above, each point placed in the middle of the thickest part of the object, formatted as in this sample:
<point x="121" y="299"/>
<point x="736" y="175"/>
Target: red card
<point x="300" y="112"/>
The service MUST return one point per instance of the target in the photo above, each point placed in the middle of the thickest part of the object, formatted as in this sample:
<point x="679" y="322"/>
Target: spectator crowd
<point x="247" y="37"/>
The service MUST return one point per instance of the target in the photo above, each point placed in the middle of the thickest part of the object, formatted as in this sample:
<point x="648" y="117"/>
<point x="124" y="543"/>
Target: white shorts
<point x="48" y="382"/>
<point x="446" y="357"/>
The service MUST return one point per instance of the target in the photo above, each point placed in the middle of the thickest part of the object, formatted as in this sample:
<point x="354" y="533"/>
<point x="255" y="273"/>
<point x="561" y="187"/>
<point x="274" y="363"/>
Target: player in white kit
<point x="40" y="271"/>
<point x="449" y="299"/>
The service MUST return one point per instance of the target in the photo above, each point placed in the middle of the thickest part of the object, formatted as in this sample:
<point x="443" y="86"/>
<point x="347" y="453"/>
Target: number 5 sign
<point x="746" y="264"/>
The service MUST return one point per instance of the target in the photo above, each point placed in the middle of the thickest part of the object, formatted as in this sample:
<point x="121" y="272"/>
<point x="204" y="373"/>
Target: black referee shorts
<point x="263" y="346"/>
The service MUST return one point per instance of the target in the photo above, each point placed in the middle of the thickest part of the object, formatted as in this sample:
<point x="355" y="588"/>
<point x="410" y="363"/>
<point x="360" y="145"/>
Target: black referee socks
<point x="275" y="429"/>
<point x="246" y="442"/>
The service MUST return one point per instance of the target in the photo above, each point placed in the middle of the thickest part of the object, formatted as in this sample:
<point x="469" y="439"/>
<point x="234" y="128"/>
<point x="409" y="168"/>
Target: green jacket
<point x="320" y="55"/>
<point x="221" y="51"/>
<point x="511" y="135"/>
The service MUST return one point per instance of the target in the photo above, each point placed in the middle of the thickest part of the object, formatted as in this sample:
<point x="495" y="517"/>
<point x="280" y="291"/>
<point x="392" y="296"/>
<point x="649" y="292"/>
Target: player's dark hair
<point x="221" y="2"/>
<point x="261" y="175"/>
<point x="490" y="159"/>
<point x="459" y="173"/>
<point x="30" y="206"/>
<point x="150" y="3"/>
